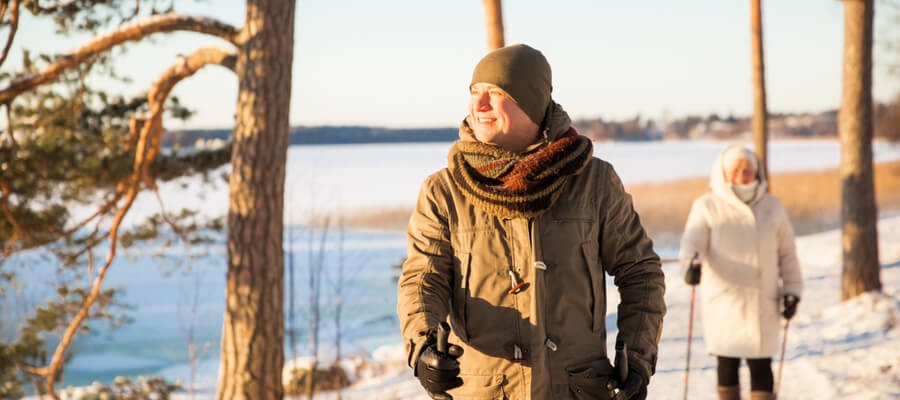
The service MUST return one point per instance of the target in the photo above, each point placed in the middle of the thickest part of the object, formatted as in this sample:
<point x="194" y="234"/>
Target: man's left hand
<point x="635" y="388"/>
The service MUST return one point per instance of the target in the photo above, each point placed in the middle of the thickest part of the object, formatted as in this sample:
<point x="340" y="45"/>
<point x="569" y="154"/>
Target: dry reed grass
<point x="389" y="218"/>
<point x="812" y="199"/>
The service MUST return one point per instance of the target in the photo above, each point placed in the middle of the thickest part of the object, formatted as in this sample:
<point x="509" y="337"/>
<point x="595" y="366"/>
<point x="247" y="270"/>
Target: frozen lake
<point x="374" y="176"/>
<point x="320" y="178"/>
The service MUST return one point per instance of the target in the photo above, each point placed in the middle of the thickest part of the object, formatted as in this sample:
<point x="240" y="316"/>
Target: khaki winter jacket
<point x="749" y="262"/>
<point x="458" y="267"/>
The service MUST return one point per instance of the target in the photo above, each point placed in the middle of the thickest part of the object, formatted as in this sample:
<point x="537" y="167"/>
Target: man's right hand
<point x="438" y="371"/>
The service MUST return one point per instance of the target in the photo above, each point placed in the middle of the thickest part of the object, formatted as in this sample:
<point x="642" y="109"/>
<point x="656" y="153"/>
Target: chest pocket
<point x="479" y="303"/>
<point x="574" y="278"/>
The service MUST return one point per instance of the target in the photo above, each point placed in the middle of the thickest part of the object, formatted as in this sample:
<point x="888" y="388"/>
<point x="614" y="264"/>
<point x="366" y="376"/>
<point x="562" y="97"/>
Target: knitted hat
<point x="523" y="73"/>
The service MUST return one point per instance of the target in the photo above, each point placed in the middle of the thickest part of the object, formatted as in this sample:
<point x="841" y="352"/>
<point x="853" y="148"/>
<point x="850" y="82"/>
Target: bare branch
<point x="4" y="204"/>
<point x="162" y="211"/>
<point x="183" y="68"/>
<point x="13" y="27"/>
<point x="147" y="149"/>
<point x="137" y="9"/>
<point x="126" y="32"/>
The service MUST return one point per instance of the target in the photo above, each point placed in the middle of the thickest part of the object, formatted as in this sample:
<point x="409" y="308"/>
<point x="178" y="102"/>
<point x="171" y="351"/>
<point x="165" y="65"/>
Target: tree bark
<point x="758" y="123"/>
<point x="861" y="268"/>
<point x="253" y="332"/>
<point x="493" y="14"/>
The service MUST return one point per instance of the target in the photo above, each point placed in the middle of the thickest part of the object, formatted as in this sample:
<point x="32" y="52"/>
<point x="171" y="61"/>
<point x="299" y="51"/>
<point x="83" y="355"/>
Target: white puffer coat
<point x="749" y="263"/>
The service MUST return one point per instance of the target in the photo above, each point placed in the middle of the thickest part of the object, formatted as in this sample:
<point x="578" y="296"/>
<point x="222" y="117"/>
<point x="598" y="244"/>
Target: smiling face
<point x="741" y="172"/>
<point x="498" y="120"/>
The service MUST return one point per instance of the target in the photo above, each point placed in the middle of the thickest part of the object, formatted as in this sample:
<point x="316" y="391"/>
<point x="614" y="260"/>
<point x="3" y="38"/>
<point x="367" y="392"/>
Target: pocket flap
<point x="591" y="369"/>
<point x="479" y="387"/>
<point x="589" y="380"/>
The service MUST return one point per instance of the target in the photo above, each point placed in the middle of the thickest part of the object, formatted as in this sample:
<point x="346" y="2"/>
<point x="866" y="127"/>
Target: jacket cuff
<point x="414" y="348"/>
<point x="418" y="334"/>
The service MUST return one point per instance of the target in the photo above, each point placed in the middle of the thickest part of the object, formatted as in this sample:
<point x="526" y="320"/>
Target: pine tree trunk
<point x="758" y="123"/>
<point x="493" y="14"/>
<point x="861" y="268"/>
<point x="253" y="332"/>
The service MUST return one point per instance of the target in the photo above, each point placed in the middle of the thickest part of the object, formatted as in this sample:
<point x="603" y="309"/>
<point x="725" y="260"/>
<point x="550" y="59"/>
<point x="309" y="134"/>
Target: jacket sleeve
<point x="425" y="281"/>
<point x="695" y="239"/>
<point x="788" y="265"/>
<point x="627" y="254"/>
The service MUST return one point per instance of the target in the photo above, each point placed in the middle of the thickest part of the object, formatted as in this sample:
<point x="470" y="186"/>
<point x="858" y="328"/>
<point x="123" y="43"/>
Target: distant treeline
<point x="303" y="135"/>
<point x="781" y="125"/>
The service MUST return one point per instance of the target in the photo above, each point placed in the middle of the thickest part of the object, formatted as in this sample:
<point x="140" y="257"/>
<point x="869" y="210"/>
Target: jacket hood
<point x="556" y="123"/>
<point x="721" y="187"/>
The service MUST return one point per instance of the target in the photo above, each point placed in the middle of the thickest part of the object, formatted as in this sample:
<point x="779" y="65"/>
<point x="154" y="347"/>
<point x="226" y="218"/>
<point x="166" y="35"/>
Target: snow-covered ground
<point x="835" y="350"/>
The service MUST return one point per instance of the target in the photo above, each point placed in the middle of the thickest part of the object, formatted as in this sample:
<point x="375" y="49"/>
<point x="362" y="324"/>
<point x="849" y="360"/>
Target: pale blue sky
<point x="407" y="63"/>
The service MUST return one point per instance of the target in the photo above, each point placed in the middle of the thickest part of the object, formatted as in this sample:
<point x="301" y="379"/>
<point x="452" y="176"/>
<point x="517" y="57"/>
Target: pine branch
<point x="126" y="32"/>
<point x="147" y="149"/>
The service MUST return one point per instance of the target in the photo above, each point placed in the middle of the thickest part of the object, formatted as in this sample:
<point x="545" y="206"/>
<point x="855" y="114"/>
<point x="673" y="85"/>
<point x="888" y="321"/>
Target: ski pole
<point x="781" y="363"/>
<point x="687" y="368"/>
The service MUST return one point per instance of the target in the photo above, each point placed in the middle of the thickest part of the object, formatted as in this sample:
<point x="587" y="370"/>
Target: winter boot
<point x="758" y="395"/>
<point x="729" y="392"/>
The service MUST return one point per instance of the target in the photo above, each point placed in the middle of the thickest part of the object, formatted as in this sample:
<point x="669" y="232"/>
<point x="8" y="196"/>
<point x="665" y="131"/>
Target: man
<point x="511" y="242"/>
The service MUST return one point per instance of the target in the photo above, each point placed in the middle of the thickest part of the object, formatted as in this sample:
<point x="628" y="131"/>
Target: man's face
<point x="741" y="172"/>
<point x="498" y="120"/>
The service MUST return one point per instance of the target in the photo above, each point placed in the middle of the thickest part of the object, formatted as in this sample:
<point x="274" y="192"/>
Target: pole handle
<point x="622" y="360"/>
<point x="443" y="333"/>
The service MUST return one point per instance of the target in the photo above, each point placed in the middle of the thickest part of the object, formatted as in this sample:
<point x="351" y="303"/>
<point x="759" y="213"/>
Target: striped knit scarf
<point x="513" y="185"/>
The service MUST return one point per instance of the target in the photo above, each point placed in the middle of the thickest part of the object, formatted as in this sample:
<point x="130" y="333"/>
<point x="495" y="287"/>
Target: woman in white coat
<point x="740" y="238"/>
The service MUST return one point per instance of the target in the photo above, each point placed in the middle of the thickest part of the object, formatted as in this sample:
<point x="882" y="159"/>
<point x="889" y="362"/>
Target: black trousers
<point x="761" y="378"/>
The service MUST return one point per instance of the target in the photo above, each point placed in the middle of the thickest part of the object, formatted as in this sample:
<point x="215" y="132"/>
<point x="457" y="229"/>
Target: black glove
<point x="438" y="372"/>
<point x="692" y="275"/>
<point x="635" y="387"/>
<point x="789" y="306"/>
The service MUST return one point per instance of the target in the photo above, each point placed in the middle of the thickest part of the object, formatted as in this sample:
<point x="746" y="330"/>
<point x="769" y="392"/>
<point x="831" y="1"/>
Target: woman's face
<point x="741" y="173"/>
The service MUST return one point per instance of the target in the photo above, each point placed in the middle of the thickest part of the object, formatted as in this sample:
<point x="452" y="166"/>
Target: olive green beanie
<point x="523" y="73"/>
